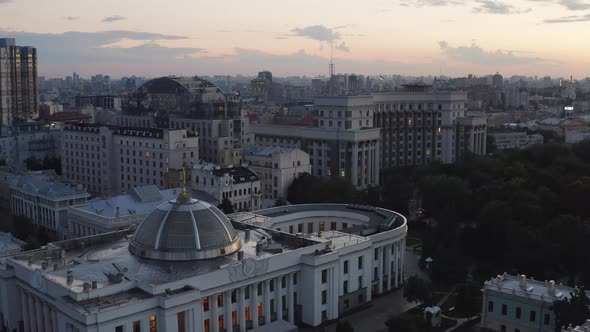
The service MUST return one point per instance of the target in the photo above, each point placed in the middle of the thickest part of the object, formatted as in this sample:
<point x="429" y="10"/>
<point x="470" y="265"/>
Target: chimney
<point x="240" y="255"/>
<point x="247" y="235"/>
<point x="258" y="248"/>
<point x="522" y="281"/>
<point x="94" y="285"/>
<point x="86" y="286"/>
<point x="269" y="241"/>
<point x="551" y="287"/>
<point x="70" y="277"/>
<point x="44" y="265"/>
<point x="55" y="267"/>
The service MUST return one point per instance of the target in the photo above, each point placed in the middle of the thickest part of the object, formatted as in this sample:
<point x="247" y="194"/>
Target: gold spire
<point x="184" y="196"/>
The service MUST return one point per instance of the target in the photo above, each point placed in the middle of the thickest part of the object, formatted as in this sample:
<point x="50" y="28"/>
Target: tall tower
<point x="19" y="95"/>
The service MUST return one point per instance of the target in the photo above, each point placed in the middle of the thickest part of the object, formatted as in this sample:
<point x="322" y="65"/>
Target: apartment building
<point x="112" y="160"/>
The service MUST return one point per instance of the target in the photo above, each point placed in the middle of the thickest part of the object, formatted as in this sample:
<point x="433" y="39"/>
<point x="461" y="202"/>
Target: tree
<point x="468" y="300"/>
<point x="417" y="289"/>
<point x="344" y="326"/>
<point x="573" y="310"/>
<point x="398" y="324"/>
<point x="23" y="227"/>
<point x="226" y="206"/>
<point x="280" y="202"/>
<point x="33" y="164"/>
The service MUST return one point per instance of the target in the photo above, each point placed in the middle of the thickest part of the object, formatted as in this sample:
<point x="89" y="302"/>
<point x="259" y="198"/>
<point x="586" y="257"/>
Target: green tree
<point x="23" y="227"/>
<point x="280" y="202"/>
<point x="399" y="324"/>
<point x="226" y="206"/>
<point x="344" y="326"/>
<point x="417" y="289"/>
<point x="33" y="164"/>
<point x="573" y="310"/>
<point x="444" y="195"/>
<point x="468" y="300"/>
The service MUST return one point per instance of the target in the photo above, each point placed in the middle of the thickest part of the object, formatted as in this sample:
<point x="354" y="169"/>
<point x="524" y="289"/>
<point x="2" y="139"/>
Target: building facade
<point x="517" y="303"/>
<point x="217" y="274"/>
<point x="419" y="125"/>
<point x="46" y="202"/>
<point x="277" y="168"/>
<point x="112" y="160"/>
<point x="352" y="154"/>
<point x="516" y="140"/>
<point x="240" y="184"/>
<point x="19" y="95"/>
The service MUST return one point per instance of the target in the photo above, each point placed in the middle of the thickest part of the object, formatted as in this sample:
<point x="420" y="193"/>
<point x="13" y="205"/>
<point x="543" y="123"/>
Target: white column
<point x="39" y="312"/>
<point x="388" y="264"/>
<point x="254" y="306"/>
<point x="25" y="309"/>
<point x="395" y="259"/>
<point x="32" y="317"/>
<point x="214" y="320"/>
<point x="290" y="304"/>
<point x="54" y="320"/>
<point x="242" y="309"/>
<point x="46" y="317"/>
<point x="279" y="297"/>
<point x="227" y="321"/>
<point x="380" y="270"/>
<point x="266" y="303"/>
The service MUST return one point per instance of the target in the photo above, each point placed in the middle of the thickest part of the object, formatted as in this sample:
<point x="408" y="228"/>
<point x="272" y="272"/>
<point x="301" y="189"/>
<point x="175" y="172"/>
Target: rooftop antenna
<point x="184" y="196"/>
<point x="332" y="68"/>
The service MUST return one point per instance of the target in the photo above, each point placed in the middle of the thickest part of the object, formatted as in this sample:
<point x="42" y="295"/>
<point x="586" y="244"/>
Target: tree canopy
<point x="573" y="310"/>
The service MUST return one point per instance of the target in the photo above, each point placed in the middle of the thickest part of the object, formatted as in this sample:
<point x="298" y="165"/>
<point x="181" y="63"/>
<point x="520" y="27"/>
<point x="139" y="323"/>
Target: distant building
<point x="517" y="303"/>
<point x="46" y="201"/>
<point x="582" y="328"/>
<point x="108" y="214"/>
<point x="516" y="140"/>
<point x="106" y="102"/>
<point x="38" y="140"/>
<point x="239" y="184"/>
<point x="19" y="95"/>
<point x="577" y="136"/>
<point x="111" y="160"/>
<point x="277" y="168"/>
<point x="497" y="81"/>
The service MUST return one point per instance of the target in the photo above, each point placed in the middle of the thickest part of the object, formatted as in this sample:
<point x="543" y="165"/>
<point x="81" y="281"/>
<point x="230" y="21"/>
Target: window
<point x="503" y="328"/>
<point x="310" y="227"/>
<point x="119" y="328"/>
<point x="291" y="229"/>
<point x="181" y="322"/>
<point x="345" y="267"/>
<point x="360" y="262"/>
<point x="376" y="255"/>
<point x="533" y="316"/>
<point x="547" y="319"/>
<point x="504" y="309"/>
<point x="490" y="306"/>
<point x="153" y="324"/>
<point x="137" y="326"/>
<point x="360" y="282"/>
<point x="518" y="312"/>
<point x="206" y="304"/>
<point x="345" y="287"/>
<point x="360" y="298"/>
<point x="324" y="276"/>
<point x="324" y="296"/>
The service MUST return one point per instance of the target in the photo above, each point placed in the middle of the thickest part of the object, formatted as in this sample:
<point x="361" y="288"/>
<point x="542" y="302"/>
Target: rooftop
<point x="240" y="174"/>
<point x="265" y="151"/>
<point x="520" y="285"/>
<point x="140" y="200"/>
<point x="49" y="187"/>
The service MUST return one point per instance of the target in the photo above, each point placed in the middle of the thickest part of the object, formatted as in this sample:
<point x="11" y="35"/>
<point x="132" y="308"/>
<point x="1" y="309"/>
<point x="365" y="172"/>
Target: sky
<point x="296" y="38"/>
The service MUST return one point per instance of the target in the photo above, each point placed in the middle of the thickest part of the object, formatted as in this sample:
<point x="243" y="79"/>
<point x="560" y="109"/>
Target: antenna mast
<point x="332" y="69"/>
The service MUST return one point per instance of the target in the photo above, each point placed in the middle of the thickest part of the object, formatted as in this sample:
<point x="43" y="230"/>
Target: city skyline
<point x="411" y="37"/>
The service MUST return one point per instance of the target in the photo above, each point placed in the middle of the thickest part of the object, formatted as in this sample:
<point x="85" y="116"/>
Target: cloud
<point x="5" y="1"/>
<point x="430" y="3"/>
<point x="569" y="4"/>
<point x="113" y="18"/>
<point x="317" y="32"/>
<point x="343" y="47"/>
<point x="71" y="18"/>
<point x="497" y="7"/>
<point x="476" y="55"/>
<point x="569" y="19"/>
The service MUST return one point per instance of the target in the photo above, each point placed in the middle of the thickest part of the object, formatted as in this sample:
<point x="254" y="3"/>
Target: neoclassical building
<point x="188" y="267"/>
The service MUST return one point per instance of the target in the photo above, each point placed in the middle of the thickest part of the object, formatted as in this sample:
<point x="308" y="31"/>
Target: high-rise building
<point x="497" y="81"/>
<point x="18" y="82"/>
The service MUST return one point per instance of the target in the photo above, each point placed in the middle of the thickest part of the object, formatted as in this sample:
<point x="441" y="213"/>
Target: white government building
<point x="188" y="267"/>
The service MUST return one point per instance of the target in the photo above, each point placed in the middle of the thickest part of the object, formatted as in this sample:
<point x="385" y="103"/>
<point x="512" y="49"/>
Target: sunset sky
<point x="408" y="37"/>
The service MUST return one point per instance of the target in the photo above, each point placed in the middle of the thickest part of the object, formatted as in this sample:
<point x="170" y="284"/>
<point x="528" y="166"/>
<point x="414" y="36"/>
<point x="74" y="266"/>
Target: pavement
<point x="373" y="318"/>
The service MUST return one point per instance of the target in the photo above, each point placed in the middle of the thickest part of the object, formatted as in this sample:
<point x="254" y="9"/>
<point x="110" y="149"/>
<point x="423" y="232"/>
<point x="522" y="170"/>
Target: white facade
<point x="277" y="168"/>
<point x="518" y="140"/>
<point x="513" y="303"/>
<point x="276" y="280"/>
<point x="30" y="140"/>
<point x="239" y="184"/>
<point x="113" y="160"/>
<point x="46" y="202"/>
